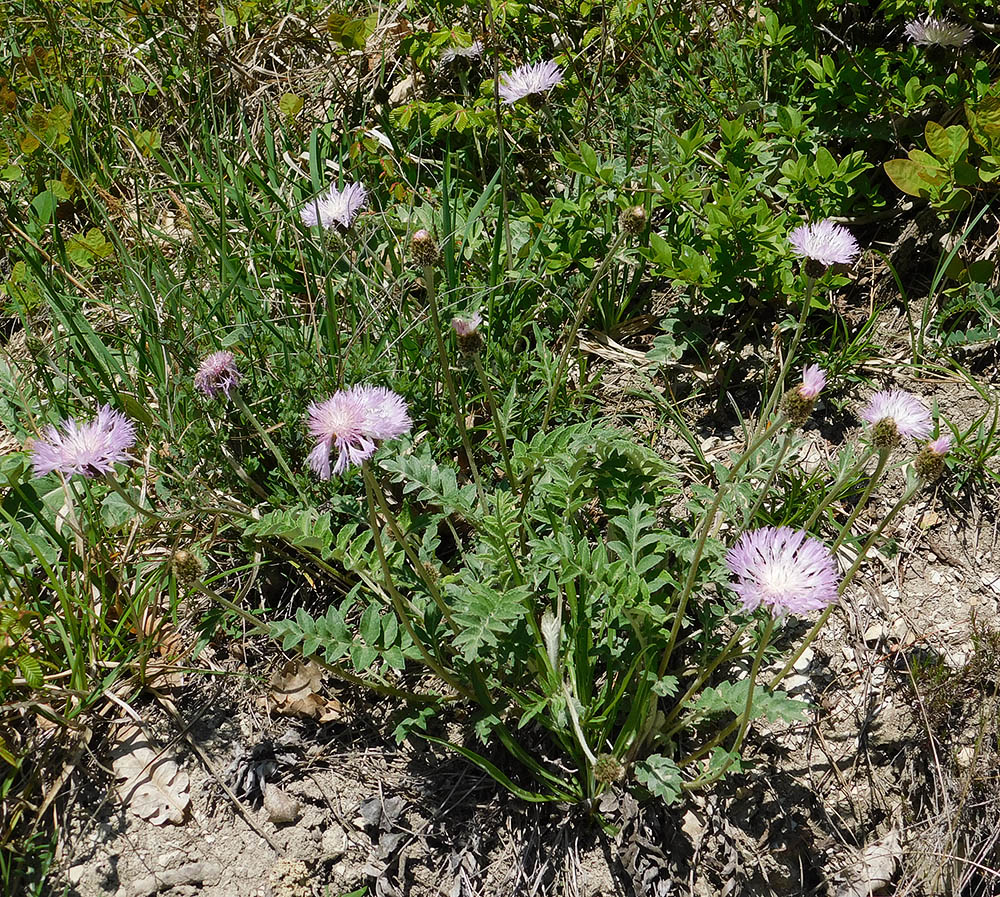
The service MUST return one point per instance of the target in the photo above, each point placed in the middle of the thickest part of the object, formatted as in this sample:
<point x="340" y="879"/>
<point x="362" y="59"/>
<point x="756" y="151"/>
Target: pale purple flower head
<point x="217" y="373"/>
<point x="938" y="32"/>
<point x="336" y="208"/>
<point x="351" y="421"/>
<point x="91" y="448"/>
<point x="786" y="570"/>
<point x="905" y="410"/>
<point x="813" y="381"/>
<point x="941" y="445"/>
<point x="825" y="242"/>
<point x="529" y="79"/>
<point x="471" y="52"/>
<point x="466" y="325"/>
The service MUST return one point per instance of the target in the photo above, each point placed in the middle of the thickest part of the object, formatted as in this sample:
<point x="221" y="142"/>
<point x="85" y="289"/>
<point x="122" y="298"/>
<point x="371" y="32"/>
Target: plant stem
<point x="581" y="312"/>
<point x="374" y="490"/>
<point x="745" y="720"/>
<point x="266" y="438"/>
<point x="703" y="531"/>
<point x="785" y="444"/>
<point x="430" y="285"/>
<point x="883" y="458"/>
<point x="834" y="490"/>
<point x="779" y="384"/>
<point x="398" y="602"/>
<point x="497" y="423"/>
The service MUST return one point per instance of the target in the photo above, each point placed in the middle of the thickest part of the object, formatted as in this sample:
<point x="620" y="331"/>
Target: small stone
<point x="900" y="629"/>
<point x="334" y="844"/>
<point x="802" y="664"/>
<point x="282" y="808"/>
<point x="795" y="683"/>
<point x="966" y="757"/>
<point x="875" y="633"/>
<point x="75" y="874"/>
<point x="935" y="577"/>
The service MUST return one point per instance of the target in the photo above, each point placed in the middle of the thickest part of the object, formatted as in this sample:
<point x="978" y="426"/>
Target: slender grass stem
<point x="375" y="492"/>
<point x="570" y="337"/>
<point x="883" y="459"/>
<point x="266" y="438"/>
<point x="762" y="492"/>
<point x="399" y="603"/>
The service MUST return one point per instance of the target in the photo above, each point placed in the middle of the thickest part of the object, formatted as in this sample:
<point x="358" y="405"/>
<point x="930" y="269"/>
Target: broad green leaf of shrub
<point x="913" y="178"/>
<point x="661" y="776"/>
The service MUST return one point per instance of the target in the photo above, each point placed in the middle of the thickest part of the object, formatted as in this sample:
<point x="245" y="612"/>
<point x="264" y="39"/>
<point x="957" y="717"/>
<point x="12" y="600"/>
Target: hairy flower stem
<point x="762" y="492"/>
<point x="399" y="603"/>
<point x="376" y="495"/>
<point x="581" y="311"/>
<point x="704" y="674"/>
<point x="883" y="459"/>
<point x="497" y="423"/>
<point x="744" y="722"/>
<point x="266" y="439"/>
<point x="431" y="287"/>
<point x="390" y="691"/>
<point x="703" y="530"/>
<point x="834" y="491"/>
<point x="779" y="384"/>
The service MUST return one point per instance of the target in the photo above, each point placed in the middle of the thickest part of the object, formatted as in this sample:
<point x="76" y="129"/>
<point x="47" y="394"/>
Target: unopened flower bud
<point x="797" y="404"/>
<point x="470" y="340"/>
<point x="187" y="568"/>
<point x="885" y="434"/>
<point x="796" y="407"/>
<point x="608" y="770"/>
<point x="423" y="248"/>
<point x="633" y="220"/>
<point x="929" y="462"/>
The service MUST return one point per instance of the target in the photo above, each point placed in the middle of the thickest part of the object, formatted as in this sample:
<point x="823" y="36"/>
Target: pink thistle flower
<point x="471" y="52"/>
<point x="824" y="242"/>
<point x="937" y="32"/>
<point x="336" y="208"/>
<point x="217" y="373"/>
<point x="909" y="415"/>
<point x="941" y="445"/>
<point x="90" y="449"/>
<point x="466" y="326"/>
<point x="351" y="421"/>
<point x="529" y="79"/>
<point x="786" y="570"/>
<point x="813" y="381"/>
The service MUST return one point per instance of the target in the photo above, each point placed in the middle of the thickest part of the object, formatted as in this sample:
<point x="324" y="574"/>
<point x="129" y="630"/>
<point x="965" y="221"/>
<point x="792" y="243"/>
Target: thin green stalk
<point x="266" y="438"/>
<point x="703" y="676"/>
<point x="399" y="604"/>
<point x="374" y="490"/>
<point x="883" y="459"/>
<point x="834" y="491"/>
<point x="785" y="444"/>
<point x="430" y="286"/>
<point x="745" y="721"/>
<point x="703" y="531"/>
<point x="779" y="384"/>
<point x="497" y="423"/>
<point x="581" y="312"/>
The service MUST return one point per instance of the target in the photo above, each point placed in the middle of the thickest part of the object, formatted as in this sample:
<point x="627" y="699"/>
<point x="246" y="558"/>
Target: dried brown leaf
<point x="295" y="691"/>
<point x="154" y="787"/>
